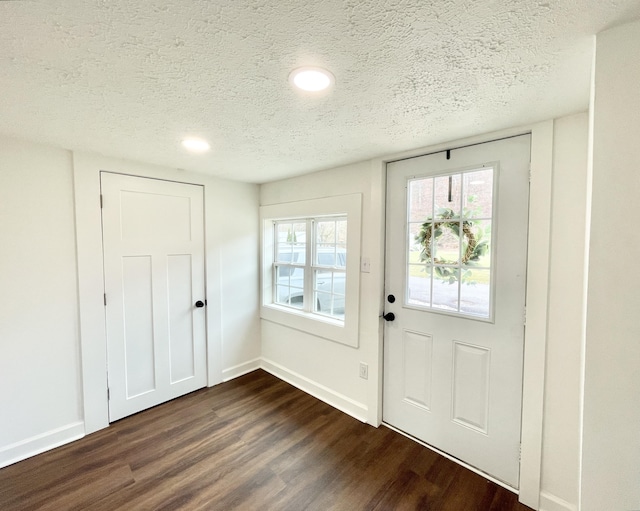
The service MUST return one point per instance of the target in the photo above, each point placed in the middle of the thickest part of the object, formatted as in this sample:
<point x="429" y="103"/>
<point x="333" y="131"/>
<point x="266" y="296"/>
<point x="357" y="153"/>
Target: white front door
<point x="153" y="242"/>
<point x="455" y="281"/>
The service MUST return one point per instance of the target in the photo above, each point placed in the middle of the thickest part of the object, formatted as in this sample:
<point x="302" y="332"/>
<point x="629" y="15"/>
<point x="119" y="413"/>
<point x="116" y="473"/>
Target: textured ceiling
<point x="131" y="79"/>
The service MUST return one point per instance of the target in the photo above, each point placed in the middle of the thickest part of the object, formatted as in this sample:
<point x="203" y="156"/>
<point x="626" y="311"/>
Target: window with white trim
<point x="311" y="263"/>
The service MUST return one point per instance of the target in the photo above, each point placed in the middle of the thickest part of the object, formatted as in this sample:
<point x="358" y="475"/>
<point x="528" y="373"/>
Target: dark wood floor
<point x="251" y="443"/>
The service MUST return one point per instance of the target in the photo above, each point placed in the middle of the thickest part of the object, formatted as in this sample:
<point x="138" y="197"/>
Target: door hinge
<point x="105" y="299"/>
<point x="530" y="171"/>
<point x="520" y="454"/>
<point x="524" y="316"/>
<point x="108" y="394"/>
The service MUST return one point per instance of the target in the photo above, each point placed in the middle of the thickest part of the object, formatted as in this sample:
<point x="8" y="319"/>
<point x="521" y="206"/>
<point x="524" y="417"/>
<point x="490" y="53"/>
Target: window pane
<point x="446" y="243"/>
<point x="419" y="285"/>
<point x="290" y="288"/>
<point x="419" y="243"/>
<point x="290" y="246"/>
<point x="329" y="293"/>
<point x="326" y="258"/>
<point x="331" y="239"/>
<point x="447" y="194"/>
<point x="420" y="199"/>
<point x="475" y="295"/>
<point x="282" y="275"/>
<point x="290" y="297"/>
<point x="476" y="246"/>
<point x="445" y="288"/>
<point x="284" y="253"/>
<point x="329" y="305"/>
<point x="326" y="232"/>
<point x="478" y="194"/>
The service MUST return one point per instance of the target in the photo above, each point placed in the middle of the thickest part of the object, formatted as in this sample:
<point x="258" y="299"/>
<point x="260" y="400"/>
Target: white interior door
<point x="153" y="242"/>
<point x="455" y="267"/>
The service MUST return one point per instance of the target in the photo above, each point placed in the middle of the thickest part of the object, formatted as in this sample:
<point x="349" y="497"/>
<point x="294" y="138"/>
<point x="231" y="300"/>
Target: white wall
<point x="324" y="368"/>
<point x="40" y="389"/>
<point x="233" y="229"/>
<point x="561" y="432"/>
<point x="611" y="422"/>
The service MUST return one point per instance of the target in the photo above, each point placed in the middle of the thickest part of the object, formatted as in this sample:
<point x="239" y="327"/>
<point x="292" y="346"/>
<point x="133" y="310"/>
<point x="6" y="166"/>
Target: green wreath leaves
<point x="446" y="218"/>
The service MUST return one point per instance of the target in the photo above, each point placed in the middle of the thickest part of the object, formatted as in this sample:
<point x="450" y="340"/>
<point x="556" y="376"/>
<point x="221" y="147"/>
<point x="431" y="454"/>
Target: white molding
<point x="331" y="397"/>
<point x="37" y="444"/>
<point x="537" y="300"/>
<point x="239" y="370"/>
<point x="549" y="502"/>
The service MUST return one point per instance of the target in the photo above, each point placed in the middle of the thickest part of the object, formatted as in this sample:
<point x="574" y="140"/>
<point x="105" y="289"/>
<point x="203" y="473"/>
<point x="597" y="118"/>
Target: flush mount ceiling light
<point x="196" y="145"/>
<point x="311" y="79"/>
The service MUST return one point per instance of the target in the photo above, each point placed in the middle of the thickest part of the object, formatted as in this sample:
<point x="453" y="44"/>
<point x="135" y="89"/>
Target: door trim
<point x="537" y="294"/>
<point x="93" y="340"/>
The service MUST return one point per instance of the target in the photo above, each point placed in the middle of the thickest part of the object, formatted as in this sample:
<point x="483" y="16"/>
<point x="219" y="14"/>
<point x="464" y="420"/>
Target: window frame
<point x="344" y="331"/>
<point x="312" y="264"/>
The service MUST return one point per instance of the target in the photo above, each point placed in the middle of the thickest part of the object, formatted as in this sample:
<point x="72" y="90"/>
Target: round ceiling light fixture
<point x="311" y="79"/>
<point x="196" y="145"/>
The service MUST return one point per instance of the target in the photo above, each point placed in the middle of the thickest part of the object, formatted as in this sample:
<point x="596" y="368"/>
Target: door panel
<point x="139" y="349"/>
<point x="456" y="255"/>
<point x="153" y="242"/>
<point x="470" y="402"/>
<point x="417" y="368"/>
<point x="180" y="317"/>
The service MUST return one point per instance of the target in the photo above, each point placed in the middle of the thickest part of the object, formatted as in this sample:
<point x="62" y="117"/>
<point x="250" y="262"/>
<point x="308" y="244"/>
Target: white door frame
<point x="537" y="294"/>
<point x="93" y="339"/>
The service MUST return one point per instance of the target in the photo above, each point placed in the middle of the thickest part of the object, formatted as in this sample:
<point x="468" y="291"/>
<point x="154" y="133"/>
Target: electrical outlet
<point x="364" y="371"/>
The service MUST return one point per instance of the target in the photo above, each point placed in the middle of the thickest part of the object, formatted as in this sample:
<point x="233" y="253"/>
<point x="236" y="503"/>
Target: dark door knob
<point x="389" y="316"/>
<point x="199" y="304"/>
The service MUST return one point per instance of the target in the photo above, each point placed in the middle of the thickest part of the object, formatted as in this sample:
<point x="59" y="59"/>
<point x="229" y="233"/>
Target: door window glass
<point x="449" y="242"/>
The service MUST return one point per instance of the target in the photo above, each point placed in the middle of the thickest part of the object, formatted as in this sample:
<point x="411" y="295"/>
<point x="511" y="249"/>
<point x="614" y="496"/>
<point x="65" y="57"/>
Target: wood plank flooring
<point x="252" y="443"/>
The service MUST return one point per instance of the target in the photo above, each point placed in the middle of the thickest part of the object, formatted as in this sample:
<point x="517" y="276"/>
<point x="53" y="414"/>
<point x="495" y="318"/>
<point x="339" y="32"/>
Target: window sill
<point x="314" y="324"/>
<point x="311" y="316"/>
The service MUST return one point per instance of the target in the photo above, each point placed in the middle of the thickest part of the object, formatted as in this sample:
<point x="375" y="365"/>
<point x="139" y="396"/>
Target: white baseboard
<point x="331" y="397"/>
<point x="244" y="368"/>
<point x="24" y="449"/>
<point x="549" y="502"/>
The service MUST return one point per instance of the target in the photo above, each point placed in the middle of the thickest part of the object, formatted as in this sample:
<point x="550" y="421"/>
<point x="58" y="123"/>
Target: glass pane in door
<point x="449" y="258"/>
